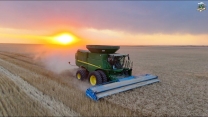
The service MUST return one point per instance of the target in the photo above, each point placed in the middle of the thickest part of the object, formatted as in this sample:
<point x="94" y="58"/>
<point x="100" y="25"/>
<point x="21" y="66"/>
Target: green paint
<point x="98" y="61"/>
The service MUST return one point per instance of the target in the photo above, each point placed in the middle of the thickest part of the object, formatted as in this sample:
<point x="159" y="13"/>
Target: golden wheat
<point x="14" y="102"/>
<point x="183" y="81"/>
<point x="50" y="84"/>
<point x="182" y="90"/>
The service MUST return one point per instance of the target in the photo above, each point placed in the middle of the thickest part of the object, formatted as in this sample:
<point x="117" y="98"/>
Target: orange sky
<point x="107" y="37"/>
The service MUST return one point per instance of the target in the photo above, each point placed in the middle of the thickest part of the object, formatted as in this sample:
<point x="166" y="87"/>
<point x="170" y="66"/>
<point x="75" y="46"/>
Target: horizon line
<point x="102" y="44"/>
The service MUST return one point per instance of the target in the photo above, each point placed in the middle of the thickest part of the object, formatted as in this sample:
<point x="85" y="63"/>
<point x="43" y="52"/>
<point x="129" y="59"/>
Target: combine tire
<point x="81" y="74"/>
<point x="104" y="77"/>
<point x="95" y="78"/>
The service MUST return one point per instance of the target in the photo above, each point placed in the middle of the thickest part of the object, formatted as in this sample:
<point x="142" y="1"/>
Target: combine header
<point x="107" y="71"/>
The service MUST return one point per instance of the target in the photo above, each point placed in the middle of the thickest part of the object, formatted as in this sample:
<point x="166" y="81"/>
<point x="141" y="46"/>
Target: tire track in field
<point x="56" y="107"/>
<point x="17" y="54"/>
<point x="26" y="61"/>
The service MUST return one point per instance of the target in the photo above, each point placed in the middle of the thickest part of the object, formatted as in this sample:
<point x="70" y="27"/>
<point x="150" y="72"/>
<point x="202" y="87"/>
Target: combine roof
<point x="102" y="48"/>
<point x="83" y="51"/>
<point x="118" y="54"/>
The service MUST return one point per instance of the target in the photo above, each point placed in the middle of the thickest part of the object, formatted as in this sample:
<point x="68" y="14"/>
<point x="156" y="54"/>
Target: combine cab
<point x="108" y="72"/>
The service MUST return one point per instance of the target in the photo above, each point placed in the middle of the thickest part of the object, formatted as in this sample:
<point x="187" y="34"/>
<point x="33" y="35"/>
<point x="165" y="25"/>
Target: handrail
<point x="107" y="64"/>
<point x="128" y="64"/>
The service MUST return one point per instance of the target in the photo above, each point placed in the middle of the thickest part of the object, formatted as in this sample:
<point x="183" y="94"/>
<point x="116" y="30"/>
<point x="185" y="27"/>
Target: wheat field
<point x="183" y="81"/>
<point x="182" y="89"/>
<point x="12" y="97"/>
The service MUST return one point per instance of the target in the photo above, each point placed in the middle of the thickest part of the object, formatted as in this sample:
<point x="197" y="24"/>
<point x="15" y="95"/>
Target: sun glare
<point x="64" y="39"/>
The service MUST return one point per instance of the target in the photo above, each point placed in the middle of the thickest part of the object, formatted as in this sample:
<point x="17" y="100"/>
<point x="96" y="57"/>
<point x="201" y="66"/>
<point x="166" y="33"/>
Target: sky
<point x="105" y="22"/>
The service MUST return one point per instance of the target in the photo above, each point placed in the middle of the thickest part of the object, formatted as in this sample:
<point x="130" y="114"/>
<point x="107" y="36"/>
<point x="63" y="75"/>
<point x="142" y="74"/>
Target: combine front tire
<point x="95" y="78"/>
<point x="104" y="77"/>
<point x="81" y="74"/>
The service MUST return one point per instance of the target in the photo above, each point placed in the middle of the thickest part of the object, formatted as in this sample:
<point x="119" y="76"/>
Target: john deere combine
<point x="107" y="71"/>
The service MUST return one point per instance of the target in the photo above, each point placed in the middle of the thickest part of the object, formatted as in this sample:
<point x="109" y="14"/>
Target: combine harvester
<point x="107" y="71"/>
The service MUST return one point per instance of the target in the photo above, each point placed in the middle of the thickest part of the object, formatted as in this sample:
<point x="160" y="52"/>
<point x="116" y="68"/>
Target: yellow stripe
<point x="88" y="64"/>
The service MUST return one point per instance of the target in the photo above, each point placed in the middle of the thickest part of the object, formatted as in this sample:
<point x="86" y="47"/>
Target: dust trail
<point x="53" y="58"/>
<point x="56" y="58"/>
<point x="69" y="77"/>
<point x="56" y="107"/>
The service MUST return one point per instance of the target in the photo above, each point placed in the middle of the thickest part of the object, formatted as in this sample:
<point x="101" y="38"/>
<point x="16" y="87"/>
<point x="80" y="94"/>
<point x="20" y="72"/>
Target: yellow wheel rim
<point x="79" y="76"/>
<point x="93" y="80"/>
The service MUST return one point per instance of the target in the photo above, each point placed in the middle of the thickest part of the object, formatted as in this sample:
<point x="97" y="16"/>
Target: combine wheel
<point x="81" y="74"/>
<point x="104" y="77"/>
<point x="95" y="78"/>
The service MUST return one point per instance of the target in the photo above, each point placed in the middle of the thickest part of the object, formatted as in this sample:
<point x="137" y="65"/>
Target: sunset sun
<point x="64" y="39"/>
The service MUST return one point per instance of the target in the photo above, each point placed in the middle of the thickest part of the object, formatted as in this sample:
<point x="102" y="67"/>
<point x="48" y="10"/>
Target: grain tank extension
<point x="107" y="71"/>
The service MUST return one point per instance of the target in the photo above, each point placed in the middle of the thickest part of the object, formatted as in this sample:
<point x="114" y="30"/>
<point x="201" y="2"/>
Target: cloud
<point x="135" y="17"/>
<point x="114" y="37"/>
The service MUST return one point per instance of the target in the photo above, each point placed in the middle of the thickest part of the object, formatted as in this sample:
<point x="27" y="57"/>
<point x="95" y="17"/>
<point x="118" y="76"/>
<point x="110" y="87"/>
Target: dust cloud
<point x="52" y="57"/>
<point x="57" y="60"/>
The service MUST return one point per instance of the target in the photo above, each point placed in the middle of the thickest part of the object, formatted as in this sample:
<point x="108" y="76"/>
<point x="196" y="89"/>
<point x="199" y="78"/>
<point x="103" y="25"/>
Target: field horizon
<point x="117" y="45"/>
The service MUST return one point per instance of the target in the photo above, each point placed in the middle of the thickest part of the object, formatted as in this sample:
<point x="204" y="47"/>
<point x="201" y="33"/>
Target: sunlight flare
<point x="64" y="39"/>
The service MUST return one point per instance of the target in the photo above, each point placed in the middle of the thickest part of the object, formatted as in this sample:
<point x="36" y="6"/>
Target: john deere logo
<point x="201" y="6"/>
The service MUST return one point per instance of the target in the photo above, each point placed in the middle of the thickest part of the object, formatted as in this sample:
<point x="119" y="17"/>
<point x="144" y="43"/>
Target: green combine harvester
<point x="108" y="72"/>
